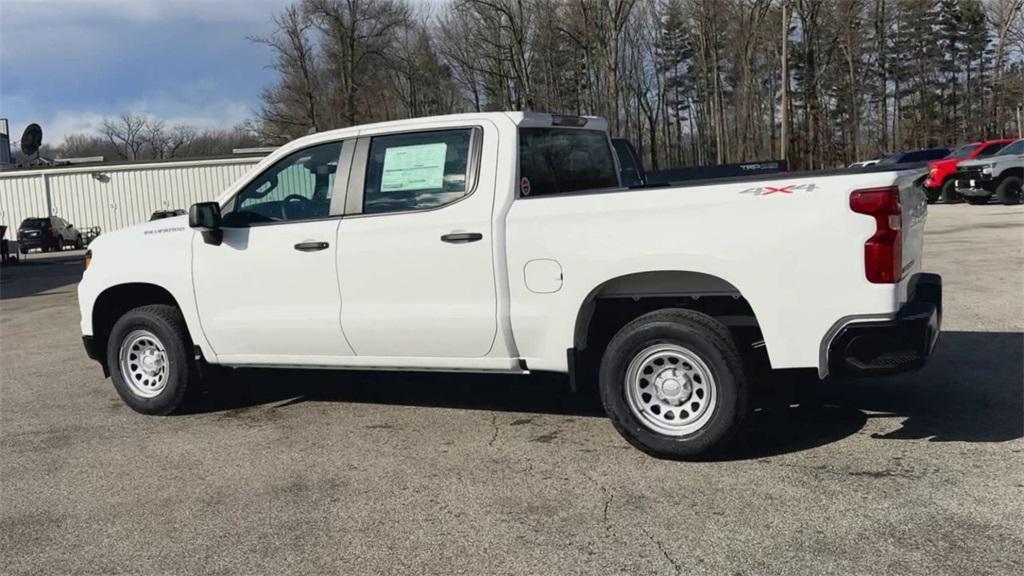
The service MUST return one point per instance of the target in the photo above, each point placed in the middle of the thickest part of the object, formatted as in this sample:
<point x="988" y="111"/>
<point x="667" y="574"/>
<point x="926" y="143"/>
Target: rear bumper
<point x="36" y="242"/>
<point x="901" y="344"/>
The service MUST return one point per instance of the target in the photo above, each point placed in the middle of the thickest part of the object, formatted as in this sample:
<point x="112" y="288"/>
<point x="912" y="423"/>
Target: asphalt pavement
<point x="285" y="472"/>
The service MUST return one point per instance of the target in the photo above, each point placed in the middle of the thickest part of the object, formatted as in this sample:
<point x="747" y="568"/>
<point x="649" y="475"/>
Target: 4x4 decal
<point x="787" y="189"/>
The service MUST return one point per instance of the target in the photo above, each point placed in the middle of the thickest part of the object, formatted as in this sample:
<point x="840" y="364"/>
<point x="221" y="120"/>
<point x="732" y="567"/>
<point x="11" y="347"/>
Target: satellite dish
<point x="31" y="139"/>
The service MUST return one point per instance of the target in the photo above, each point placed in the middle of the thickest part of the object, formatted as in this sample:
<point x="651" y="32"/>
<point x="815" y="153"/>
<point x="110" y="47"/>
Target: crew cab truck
<point x="940" y="183"/>
<point x="504" y="242"/>
<point x="1001" y="175"/>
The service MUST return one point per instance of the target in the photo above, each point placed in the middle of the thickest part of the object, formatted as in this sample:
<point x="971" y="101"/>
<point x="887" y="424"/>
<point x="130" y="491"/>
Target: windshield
<point x="964" y="151"/>
<point x="1015" y="148"/>
<point x="892" y="158"/>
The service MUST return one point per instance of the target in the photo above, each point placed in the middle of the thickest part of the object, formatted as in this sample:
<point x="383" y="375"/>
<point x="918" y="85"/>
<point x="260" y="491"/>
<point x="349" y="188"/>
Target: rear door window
<point x="417" y="170"/>
<point x="562" y="160"/>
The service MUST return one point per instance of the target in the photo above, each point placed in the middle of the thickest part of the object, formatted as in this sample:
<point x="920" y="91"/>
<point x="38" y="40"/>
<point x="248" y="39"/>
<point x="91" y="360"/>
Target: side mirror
<point x="205" y="217"/>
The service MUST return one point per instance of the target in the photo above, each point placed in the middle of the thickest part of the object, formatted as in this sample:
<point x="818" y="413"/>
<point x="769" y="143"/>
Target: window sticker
<point x="419" y="167"/>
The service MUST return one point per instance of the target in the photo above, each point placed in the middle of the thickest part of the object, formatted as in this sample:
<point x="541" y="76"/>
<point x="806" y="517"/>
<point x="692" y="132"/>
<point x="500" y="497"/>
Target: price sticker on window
<point x="418" y="167"/>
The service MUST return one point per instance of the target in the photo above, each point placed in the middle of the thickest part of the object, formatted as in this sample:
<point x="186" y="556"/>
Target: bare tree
<point x="125" y="134"/>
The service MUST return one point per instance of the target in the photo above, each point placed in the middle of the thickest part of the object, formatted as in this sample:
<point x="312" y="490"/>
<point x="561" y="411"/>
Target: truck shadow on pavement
<point x="38" y="273"/>
<point x="972" y="391"/>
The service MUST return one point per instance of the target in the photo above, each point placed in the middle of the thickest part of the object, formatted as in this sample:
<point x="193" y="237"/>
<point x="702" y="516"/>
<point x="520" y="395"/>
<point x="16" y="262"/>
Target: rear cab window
<point x="563" y="160"/>
<point x="35" y="223"/>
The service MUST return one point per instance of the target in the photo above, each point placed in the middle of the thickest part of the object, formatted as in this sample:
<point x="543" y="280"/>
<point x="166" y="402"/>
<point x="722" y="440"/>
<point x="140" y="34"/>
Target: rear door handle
<point x="462" y="237"/>
<point x="311" y="246"/>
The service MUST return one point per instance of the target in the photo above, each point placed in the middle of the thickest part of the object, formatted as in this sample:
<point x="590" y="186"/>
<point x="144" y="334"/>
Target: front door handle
<point x="462" y="237"/>
<point x="311" y="246"/>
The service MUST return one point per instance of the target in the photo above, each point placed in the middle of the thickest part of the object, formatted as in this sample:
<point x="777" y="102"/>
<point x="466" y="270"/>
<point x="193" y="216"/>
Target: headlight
<point x="987" y="168"/>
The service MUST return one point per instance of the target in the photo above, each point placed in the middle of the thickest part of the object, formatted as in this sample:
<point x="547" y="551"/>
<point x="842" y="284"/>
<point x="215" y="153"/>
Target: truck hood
<point x="165" y="229"/>
<point x="980" y="162"/>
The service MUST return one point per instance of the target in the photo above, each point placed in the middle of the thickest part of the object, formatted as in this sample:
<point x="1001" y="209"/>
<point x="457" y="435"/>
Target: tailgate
<point x="914" y="206"/>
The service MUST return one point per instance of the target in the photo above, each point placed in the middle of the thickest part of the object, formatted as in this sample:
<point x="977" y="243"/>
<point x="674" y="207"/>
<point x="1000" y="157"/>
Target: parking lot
<point x="285" y="472"/>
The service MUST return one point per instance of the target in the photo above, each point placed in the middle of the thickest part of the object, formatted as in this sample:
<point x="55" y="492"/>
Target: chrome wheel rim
<point x="143" y="362"/>
<point x="670" y="390"/>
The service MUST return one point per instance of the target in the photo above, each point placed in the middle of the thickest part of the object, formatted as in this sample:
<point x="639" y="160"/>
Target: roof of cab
<point x="529" y="119"/>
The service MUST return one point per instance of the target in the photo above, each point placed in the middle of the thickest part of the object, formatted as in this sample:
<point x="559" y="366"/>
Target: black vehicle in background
<point x="161" y="214"/>
<point x="915" y="156"/>
<point x="631" y="169"/>
<point x="47" y="234"/>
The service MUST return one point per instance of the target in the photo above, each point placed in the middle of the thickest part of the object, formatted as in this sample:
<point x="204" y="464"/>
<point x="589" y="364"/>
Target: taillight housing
<point x="883" y="252"/>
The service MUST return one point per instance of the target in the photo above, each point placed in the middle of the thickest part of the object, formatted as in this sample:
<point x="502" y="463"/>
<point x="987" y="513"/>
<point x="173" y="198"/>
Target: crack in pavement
<point x="494" y="423"/>
<point x="661" y="547"/>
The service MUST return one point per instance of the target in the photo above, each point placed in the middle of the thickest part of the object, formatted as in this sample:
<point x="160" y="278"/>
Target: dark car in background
<point x="47" y="234"/>
<point x="910" y="156"/>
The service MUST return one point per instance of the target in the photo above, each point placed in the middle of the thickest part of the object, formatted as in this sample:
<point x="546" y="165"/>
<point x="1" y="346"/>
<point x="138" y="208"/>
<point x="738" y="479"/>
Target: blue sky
<point x="68" y="63"/>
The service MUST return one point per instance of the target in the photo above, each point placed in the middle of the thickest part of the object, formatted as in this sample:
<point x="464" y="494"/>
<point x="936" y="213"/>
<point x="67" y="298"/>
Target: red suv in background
<point x="939" y="184"/>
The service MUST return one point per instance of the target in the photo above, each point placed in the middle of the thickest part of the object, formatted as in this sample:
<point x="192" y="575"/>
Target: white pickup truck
<point x="504" y="242"/>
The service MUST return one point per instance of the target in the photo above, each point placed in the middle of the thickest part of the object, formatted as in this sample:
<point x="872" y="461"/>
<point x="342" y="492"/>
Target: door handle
<point x="311" y="246"/>
<point x="462" y="237"/>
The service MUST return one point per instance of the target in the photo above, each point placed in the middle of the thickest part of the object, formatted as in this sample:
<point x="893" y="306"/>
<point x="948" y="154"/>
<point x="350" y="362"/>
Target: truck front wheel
<point x="948" y="192"/>
<point x="149" y="361"/>
<point x="673" y="384"/>
<point x="1009" y="190"/>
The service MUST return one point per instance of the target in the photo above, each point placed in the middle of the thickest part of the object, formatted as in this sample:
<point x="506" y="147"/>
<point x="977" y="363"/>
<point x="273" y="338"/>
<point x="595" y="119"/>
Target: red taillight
<point x="883" y="252"/>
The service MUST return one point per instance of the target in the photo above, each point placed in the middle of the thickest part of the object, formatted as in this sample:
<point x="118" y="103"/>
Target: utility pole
<point x="784" y="133"/>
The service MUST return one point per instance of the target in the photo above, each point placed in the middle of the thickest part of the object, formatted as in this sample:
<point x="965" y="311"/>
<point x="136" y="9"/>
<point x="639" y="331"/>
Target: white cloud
<point x="219" y="114"/>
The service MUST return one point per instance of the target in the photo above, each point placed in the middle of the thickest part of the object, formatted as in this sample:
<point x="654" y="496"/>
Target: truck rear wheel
<point x="673" y="384"/>
<point x="1009" y="190"/>
<point x="149" y="361"/>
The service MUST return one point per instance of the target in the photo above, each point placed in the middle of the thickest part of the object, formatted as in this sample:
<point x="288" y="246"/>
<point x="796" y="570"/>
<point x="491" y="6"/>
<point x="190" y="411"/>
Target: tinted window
<point x="964" y="151"/>
<point x="36" y="223"/>
<point x="1015" y="148"/>
<point x="892" y="159"/>
<point x="630" y="170"/>
<point x="559" y="160"/>
<point x="991" y="150"/>
<point x="298" y="187"/>
<point x="417" y="171"/>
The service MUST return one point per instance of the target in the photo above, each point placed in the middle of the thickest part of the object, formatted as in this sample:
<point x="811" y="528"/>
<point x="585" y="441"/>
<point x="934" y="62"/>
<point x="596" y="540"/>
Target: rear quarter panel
<point x="791" y="246"/>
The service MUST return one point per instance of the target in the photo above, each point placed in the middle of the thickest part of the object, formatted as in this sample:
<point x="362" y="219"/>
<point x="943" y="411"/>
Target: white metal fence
<point x="114" y="196"/>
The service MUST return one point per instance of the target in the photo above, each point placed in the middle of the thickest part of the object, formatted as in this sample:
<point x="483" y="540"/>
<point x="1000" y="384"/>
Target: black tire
<point x="78" y="243"/>
<point x="932" y="195"/>
<point x="977" y="200"/>
<point x="712" y="343"/>
<point x="948" y="193"/>
<point x="1009" y="190"/>
<point x="167" y="325"/>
